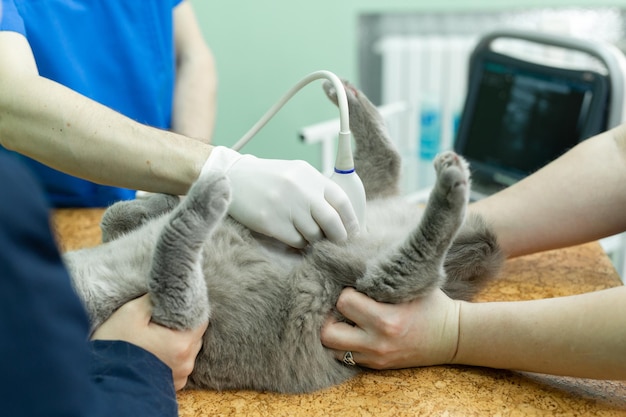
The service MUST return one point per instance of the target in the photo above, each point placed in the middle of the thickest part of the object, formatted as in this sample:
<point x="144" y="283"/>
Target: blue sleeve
<point x="10" y="19"/>
<point x="131" y="381"/>
<point x="48" y="367"/>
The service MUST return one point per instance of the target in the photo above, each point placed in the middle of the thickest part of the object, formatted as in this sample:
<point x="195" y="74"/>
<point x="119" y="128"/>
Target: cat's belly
<point x="277" y="251"/>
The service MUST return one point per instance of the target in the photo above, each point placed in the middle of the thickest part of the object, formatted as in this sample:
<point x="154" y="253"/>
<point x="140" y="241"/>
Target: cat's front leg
<point x="416" y="266"/>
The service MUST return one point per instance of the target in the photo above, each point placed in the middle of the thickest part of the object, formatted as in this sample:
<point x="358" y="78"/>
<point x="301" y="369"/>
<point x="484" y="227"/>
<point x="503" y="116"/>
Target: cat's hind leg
<point x="376" y="159"/>
<point x="125" y="216"/>
<point x="177" y="285"/>
<point x="416" y="267"/>
<point x="474" y="257"/>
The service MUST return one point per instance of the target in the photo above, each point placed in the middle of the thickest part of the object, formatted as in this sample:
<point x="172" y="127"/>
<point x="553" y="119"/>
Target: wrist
<point x="480" y="324"/>
<point x="460" y="309"/>
<point x="221" y="159"/>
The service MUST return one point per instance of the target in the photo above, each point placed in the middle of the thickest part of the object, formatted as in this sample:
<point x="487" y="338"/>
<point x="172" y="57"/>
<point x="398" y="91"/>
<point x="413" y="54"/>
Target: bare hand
<point x="177" y="349"/>
<point x="391" y="336"/>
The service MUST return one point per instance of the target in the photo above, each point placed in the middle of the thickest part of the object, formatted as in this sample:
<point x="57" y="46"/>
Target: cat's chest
<point x="391" y="219"/>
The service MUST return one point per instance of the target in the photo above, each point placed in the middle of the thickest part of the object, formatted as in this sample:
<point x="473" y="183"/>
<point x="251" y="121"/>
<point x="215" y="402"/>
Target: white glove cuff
<point x="221" y="160"/>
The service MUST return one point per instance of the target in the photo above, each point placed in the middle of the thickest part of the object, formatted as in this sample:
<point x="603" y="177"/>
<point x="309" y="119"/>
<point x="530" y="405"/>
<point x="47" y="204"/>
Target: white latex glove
<point x="288" y="200"/>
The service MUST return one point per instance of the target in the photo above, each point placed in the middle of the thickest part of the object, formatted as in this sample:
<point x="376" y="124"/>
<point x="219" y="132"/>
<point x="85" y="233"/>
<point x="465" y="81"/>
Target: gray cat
<point x="266" y="303"/>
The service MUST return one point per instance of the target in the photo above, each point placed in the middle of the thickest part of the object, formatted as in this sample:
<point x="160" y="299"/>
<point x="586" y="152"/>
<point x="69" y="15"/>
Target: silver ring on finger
<point x="348" y="359"/>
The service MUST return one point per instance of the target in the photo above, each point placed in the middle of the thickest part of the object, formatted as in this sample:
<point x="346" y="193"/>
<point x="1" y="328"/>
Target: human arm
<point x="578" y="198"/>
<point x="578" y="335"/>
<point x="48" y="367"/>
<point x="71" y="133"/>
<point x="196" y="78"/>
<point x="581" y="335"/>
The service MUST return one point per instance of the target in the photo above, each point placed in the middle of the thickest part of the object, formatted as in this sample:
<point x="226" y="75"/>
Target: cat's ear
<point x="125" y="216"/>
<point x="177" y="285"/>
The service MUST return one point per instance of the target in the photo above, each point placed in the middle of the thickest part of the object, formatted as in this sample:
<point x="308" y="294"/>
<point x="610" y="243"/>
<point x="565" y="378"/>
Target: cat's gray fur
<point x="266" y="303"/>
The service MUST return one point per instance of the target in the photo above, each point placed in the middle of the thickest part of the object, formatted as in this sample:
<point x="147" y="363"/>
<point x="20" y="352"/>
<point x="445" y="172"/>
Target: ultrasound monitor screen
<point x="523" y="119"/>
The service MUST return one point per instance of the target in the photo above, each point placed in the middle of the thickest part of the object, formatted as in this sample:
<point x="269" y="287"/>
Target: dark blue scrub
<point x="47" y="366"/>
<point x="119" y="53"/>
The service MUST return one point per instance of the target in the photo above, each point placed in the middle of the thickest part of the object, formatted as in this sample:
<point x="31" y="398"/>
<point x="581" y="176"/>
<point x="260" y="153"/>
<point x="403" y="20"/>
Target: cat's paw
<point x="211" y="195"/>
<point x="352" y="93"/>
<point x="364" y="116"/>
<point x="453" y="176"/>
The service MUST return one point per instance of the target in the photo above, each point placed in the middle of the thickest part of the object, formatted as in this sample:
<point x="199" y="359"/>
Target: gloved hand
<point x="288" y="200"/>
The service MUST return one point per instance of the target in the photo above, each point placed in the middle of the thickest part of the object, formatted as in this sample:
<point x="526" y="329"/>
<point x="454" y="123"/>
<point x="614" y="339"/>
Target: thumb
<point x="140" y="308"/>
<point x="357" y="307"/>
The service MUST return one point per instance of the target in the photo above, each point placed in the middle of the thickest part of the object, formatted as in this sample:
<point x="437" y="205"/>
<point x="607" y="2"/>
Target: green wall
<point x="263" y="48"/>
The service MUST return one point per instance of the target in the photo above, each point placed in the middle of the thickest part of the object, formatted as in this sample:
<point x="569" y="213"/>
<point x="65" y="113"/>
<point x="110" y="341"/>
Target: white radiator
<point x="429" y="73"/>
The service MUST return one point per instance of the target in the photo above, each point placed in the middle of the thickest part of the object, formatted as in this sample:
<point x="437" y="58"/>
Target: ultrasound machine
<point x="520" y="114"/>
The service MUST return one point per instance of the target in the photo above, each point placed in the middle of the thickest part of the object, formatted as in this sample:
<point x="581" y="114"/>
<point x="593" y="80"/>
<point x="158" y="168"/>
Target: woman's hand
<point x="391" y="336"/>
<point x="176" y="348"/>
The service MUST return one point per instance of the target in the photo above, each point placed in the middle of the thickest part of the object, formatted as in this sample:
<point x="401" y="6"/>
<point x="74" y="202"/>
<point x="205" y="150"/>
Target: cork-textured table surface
<point x="441" y="390"/>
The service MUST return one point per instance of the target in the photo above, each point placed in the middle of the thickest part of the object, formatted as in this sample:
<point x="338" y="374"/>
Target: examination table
<point x="439" y="390"/>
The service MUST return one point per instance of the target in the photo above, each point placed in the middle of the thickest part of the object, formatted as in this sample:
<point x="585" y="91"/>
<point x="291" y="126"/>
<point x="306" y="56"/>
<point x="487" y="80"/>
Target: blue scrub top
<point x="119" y="53"/>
